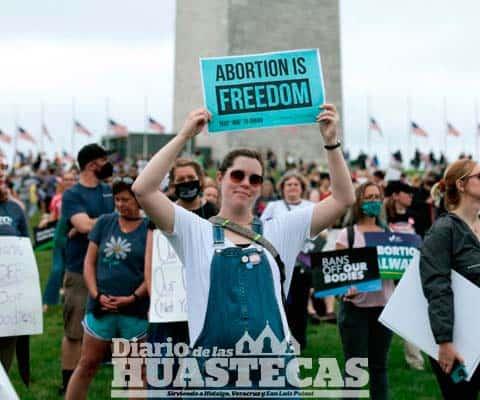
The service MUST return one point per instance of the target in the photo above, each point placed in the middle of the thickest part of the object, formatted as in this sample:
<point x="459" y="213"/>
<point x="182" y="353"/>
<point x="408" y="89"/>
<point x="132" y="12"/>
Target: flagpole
<point x="369" y="135"/>
<point x="15" y="138"/>
<point x="145" y="105"/>
<point x="477" y="130"/>
<point x="445" y="123"/>
<point x="72" y="138"/>
<point x="409" y="122"/>
<point x="42" y="124"/>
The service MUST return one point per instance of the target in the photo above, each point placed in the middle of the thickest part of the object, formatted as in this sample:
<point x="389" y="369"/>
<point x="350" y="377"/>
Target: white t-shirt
<point x="279" y="207"/>
<point x="192" y="239"/>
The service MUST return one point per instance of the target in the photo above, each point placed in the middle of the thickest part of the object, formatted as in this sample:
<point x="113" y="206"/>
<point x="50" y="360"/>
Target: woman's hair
<point x="186" y="162"/>
<point x="356" y="213"/>
<point x="122" y="184"/>
<point x="234" y="154"/>
<point x="292" y="174"/>
<point x="447" y="187"/>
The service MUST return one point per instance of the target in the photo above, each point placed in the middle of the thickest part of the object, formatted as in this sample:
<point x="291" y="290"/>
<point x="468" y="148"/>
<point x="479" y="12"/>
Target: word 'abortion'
<point x="264" y="95"/>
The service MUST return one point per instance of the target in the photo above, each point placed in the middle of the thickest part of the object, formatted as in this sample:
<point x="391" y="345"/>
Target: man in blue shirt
<point x="81" y="206"/>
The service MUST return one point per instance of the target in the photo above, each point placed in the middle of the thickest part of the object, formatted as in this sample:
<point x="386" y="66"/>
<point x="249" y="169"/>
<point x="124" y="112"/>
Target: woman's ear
<point x="460" y="185"/>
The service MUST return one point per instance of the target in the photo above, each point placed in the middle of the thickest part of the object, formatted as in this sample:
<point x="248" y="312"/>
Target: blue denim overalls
<point x="241" y="298"/>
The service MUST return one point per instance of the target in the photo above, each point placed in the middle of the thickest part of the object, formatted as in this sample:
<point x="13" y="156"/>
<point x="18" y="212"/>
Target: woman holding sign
<point x="230" y="276"/>
<point x="13" y="223"/>
<point x="113" y="271"/>
<point x="361" y="333"/>
<point x="452" y="243"/>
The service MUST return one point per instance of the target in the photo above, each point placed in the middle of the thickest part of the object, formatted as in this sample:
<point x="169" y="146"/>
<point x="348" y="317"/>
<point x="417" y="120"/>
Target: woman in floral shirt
<point x="113" y="270"/>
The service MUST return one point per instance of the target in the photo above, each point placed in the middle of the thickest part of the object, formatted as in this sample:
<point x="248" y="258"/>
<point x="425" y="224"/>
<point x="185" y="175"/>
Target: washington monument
<point x="215" y="28"/>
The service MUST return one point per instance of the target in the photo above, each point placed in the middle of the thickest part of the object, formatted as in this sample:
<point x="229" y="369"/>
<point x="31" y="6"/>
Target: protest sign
<point x="20" y="296"/>
<point x="7" y="392"/>
<point x="406" y="314"/>
<point x="262" y="90"/>
<point x="395" y="251"/>
<point x="168" y="296"/>
<point x="43" y="237"/>
<point x="334" y="272"/>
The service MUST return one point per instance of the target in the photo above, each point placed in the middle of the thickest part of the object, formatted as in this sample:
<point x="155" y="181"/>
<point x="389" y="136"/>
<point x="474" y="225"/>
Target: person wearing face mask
<point x="82" y="205"/>
<point x="236" y="284"/>
<point x="186" y="177"/>
<point x="13" y="222"/>
<point x="361" y="333"/>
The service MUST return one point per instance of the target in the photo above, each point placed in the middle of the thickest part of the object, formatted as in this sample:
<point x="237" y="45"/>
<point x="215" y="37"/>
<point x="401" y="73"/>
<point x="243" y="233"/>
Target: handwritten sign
<point x="262" y="90"/>
<point x="169" y="298"/>
<point x="20" y="296"/>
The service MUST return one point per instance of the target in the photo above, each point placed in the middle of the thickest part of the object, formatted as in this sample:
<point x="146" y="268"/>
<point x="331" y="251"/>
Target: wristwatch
<point x="332" y="146"/>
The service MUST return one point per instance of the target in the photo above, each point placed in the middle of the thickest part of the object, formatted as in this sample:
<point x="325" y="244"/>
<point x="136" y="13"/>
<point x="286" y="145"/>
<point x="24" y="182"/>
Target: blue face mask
<point x="372" y="208"/>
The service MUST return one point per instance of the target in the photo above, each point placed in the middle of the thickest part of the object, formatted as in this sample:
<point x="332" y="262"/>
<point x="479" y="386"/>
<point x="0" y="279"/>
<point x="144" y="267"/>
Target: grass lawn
<point x="323" y="341"/>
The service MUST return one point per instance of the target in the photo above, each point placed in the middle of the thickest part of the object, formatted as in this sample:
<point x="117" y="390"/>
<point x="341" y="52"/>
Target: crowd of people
<point x="242" y="236"/>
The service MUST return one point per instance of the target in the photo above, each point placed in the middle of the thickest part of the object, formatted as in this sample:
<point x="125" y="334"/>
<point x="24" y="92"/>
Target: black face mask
<point x="105" y="172"/>
<point x="187" y="191"/>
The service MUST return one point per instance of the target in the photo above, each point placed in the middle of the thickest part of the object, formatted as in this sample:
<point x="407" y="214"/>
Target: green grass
<point x="323" y="342"/>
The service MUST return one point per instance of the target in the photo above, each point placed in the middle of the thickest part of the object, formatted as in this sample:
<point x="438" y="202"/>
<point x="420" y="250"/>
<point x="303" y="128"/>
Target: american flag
<point x="67" y="157"/>
<point x="46" y="133"/>
<point x="23" y="134"/>
<point x="4" y="138"/>
<point x="155" y="126"/>
<point x="79" y="128"/>
<point x="417" y="131"/>
<point x="373" y="126"/>
<point x="452" y="131"/>
<point x="117" y="129"/>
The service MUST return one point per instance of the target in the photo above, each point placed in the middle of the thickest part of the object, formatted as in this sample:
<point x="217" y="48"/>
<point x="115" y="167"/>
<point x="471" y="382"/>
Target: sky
<point x="407" y="60"/>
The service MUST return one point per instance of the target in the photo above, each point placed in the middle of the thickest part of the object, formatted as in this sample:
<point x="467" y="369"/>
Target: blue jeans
<point x="51" y="295"/>
<point x="363" y="336"/>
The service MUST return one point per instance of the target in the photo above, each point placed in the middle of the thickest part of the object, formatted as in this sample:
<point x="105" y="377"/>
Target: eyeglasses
<point x="473" y="176"/>
<point x="123" y="179"/>
<point x="237" y="176"/>
<point x="3" y="167"/>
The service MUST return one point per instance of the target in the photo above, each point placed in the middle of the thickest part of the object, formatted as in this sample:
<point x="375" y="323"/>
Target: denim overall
<point x="241" y="299"/>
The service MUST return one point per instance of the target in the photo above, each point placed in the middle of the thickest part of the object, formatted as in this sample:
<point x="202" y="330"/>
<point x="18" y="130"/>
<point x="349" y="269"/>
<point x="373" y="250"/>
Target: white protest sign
<point x="415" y="326"/>
<point x="7" y="392"/>
<point x="168" y="301"/>
<point x="20" y="296"/>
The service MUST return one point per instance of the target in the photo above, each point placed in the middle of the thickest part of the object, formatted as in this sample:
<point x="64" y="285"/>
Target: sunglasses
<point x="4" y="167"/>
<point x="237" y="176"/>
<point x="473" y="176"/>
<point x="123" y="179"/>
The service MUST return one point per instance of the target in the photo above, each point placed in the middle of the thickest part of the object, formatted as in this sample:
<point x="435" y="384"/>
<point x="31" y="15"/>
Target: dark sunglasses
<point x="4" y="167"/>
<point x="237" y="176"/>
<point x="123" y="179"/>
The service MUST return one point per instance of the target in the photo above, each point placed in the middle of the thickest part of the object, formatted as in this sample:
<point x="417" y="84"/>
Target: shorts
<point x="114" y="325"/>
<point x="74" y="307"/>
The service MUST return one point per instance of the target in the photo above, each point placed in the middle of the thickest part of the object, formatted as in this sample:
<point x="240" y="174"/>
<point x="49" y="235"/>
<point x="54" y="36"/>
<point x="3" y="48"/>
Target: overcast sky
<point x="55" y="50"/>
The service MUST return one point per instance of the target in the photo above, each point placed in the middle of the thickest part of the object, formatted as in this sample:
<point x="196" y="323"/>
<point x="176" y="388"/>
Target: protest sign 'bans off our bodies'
<point x="262" y="90"/>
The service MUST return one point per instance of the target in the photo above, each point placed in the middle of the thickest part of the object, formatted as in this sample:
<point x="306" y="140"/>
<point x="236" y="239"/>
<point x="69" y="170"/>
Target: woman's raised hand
<point x="195" y="122"/>
<point x="328" y="120"/>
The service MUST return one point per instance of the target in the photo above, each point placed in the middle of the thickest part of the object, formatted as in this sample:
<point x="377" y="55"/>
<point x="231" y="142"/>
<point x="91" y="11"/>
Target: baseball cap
<point x="397" y="187"/>
<point x="91" y="152"/>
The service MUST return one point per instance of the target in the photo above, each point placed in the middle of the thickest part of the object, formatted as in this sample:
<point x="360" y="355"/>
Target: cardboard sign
<point x="395" y="251"/>
<point x="43" y="237"/>
<point x="7" y="392"/>
<point x="20" y="296"/>
<point x="169" y="298"/>
<point x="262" y="90"/>
<point x="334" y="272"/>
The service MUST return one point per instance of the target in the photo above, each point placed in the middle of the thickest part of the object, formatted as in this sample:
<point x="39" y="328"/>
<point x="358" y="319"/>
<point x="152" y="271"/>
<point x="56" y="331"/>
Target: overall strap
<point x="256" y="237"/>
<point x="218" y="237"/>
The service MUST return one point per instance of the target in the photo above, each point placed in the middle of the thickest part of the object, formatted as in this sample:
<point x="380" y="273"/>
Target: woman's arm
<point x="146" y="187"/>
<point x="326" y="212"/>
